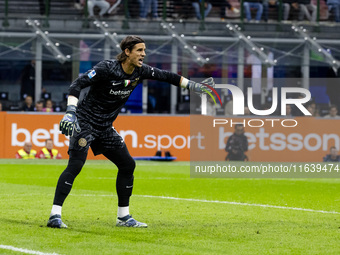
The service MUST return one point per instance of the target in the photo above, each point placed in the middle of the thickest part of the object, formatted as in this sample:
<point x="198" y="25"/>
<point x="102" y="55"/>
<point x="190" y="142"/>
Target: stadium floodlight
<point x="180" y="38"/>
<point x="315" y="46"/>
<point x="235" y="30"/>
<point x="47" y="42"/>
<point x="102" y="25"/>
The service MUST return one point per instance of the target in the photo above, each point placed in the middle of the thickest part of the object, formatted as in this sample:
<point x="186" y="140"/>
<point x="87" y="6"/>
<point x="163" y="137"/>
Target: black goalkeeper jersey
<point x="110" y="88"/>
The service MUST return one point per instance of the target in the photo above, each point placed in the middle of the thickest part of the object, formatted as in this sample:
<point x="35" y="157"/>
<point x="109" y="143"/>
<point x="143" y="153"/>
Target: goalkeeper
<point x="88" y="122"/>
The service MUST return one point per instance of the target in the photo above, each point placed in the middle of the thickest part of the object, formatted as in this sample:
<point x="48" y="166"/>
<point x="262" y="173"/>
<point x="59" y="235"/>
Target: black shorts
<point x="100" y="141"/>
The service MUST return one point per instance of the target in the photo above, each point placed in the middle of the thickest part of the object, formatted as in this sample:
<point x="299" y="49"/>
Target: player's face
<point x="137" y="54"/>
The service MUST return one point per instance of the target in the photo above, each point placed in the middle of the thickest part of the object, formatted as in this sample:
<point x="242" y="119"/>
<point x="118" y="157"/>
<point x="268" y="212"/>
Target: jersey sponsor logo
<point x="123" y="93"/>
<point x="91" y="74"/>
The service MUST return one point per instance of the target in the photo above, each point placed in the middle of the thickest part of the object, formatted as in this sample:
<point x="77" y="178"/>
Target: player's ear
<point x="127" y="52"/>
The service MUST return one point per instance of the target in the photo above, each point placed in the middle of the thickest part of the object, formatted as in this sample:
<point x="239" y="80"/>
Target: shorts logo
<point x="82" y="142"/>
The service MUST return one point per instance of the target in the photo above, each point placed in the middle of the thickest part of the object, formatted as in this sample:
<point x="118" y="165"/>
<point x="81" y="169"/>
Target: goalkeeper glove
<point x="69" y="123"/>
<point x="201" y="87"/>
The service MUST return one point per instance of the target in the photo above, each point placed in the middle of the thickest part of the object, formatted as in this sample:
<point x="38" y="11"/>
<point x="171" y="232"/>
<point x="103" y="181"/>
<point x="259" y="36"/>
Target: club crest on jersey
<point x="82" y="142"/>
<point x="91" y="74"/>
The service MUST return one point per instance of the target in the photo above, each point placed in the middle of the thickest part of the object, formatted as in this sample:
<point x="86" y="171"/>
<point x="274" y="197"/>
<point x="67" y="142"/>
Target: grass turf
<point x="175" y="226"/>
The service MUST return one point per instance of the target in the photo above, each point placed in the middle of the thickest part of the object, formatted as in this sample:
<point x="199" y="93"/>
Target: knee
<point x="127" y="169"/>
<point x="131" y="167"/>
<point x="74" y="166"/>
<point x="75" y="163"/>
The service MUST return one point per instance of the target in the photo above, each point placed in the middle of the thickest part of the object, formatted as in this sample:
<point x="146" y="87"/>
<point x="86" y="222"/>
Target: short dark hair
<point x="128" y="43"/>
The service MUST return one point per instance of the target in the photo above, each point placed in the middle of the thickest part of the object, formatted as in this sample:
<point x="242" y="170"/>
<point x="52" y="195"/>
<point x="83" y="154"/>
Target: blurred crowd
<point x="254" y="10"/>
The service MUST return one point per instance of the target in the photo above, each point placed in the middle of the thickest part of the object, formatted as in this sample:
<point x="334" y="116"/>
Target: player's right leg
<point x="64" y="186"/>
<point x="79" y="146"/>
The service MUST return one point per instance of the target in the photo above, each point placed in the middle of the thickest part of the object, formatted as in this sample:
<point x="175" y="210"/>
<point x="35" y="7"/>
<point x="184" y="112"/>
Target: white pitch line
<point x="12" y="248"/>
<point x="156" y="178"/>
<point x="239" y="203"/>
<point x="221" y="202"/>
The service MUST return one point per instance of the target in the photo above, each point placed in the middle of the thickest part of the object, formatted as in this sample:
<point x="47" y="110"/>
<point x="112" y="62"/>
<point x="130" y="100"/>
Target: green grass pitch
<point x="192" y="224"/>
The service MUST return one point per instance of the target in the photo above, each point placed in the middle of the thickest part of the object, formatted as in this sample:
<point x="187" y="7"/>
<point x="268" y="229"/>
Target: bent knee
<point x="128" y="168"/>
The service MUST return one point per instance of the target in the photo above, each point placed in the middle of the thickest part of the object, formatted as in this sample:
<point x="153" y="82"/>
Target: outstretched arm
<point x="175" y="79"/>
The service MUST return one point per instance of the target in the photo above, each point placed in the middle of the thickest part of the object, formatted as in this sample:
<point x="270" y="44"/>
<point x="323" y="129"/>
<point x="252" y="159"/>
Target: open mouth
<point x="140" y="61"/>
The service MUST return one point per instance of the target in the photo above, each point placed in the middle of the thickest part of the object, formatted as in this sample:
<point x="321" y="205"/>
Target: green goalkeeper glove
<point x="200" y="87"/>
<point x="69" y="123"/>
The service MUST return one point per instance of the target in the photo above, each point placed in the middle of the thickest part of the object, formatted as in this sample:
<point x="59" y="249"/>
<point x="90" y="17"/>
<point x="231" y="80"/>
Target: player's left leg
<point x="124" y="184"/>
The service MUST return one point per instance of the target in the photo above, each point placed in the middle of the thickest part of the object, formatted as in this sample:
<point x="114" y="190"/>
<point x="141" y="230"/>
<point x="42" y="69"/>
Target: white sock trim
<point x="123" y="211"/>
<point x="56" y="209"/>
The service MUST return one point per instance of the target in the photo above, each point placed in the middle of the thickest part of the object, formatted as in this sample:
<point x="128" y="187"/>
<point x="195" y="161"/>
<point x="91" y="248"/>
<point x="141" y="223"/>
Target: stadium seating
<point x="31" y="8"/>
<point x="65" y="8"/>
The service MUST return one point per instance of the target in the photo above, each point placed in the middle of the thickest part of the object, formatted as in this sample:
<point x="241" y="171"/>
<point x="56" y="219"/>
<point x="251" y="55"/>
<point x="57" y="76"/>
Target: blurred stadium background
<point x="64" y="42"/>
